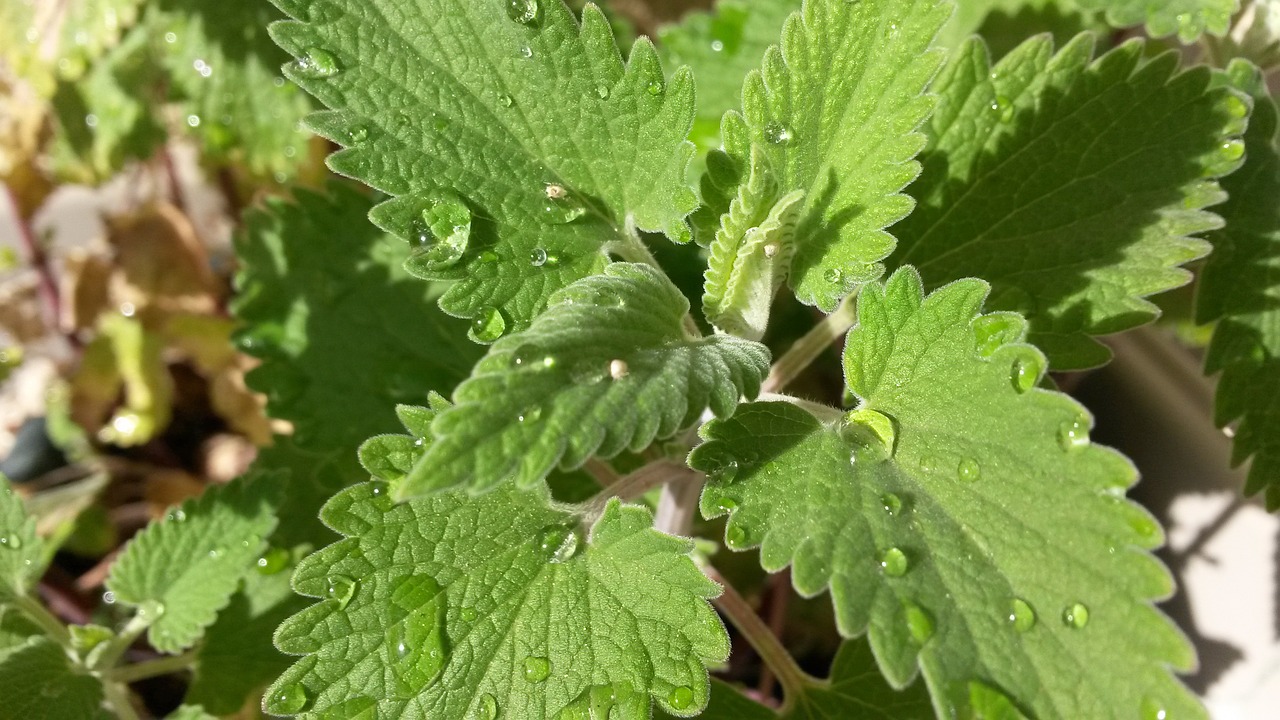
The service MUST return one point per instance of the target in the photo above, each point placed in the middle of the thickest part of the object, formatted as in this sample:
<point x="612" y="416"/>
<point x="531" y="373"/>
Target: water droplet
<point x="380" y="492"/>
<point x="444" y="234"/>
<point x="1232" y="150"/>
<point x="193" y="120"/>
<point x="13" y="541"/>
<point x="530" y="415"/>
<point x="506" y="100"/>
<point x="171" y="37"/>
<point x="1076" y="616"/>
<point x="217" y="553"/>
<point x="354" y="709"/>
<point x="536" y="669"/>
<point x="720" y="465"/>
<point x="1153" y="709"/>
<point x="340" y="588"/>
<point x="467" y="614"/>
<point x="559" y="543"/>
<point x="894" y="563"/>
<point x="602" y="91"/>
<point x="417" y="646"/>
<point x="488" y="325"/>
<point x="681" y="698"/>
<point x="524" y="12"/>
<point x="1004" y="106"/>
<point x="777" y="133"/>
<point x="318" y="63"/>
<point x="538" y="257"/>
<point x="290" y="699"/>
<point x="1073" y="435"/>
<point x="835" y="276"/>
<point x="869" y="428"/>
<point x="735" y="537"/>
<point x="273" y="561"/>
<point x="992" y="331"/>
<point x="109" y="598"/>
<point x="177" y="515"/>
<point x="357" y="134"/>
<point x="151" y="610"/>
<point x="487" y="708"/>
<point x="892" y="504"/>
<point x="526" y="52"/>
<point x="968" y="470"/>
<point x="1021" y="615"/>
<point x="655" y="88"/>
<point x="532" y="357"/>
<point x="91" y="120"/>
<point x="919" y="622"/>
<point x="1027" y="370"/>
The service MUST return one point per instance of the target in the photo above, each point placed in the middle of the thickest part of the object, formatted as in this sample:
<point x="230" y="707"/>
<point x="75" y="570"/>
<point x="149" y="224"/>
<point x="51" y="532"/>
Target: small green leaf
<point x="21" y="550"/>
<point x="1059" y="181"/>
<point x="606" y="368"/>
<point x="180" y="571"/>
<point x="451" y="607"/>
<point x="983" y="540"/>
<point x="1239" y="289"/>
<point x="38" y="680"/>
<point x="557" y="146"/>
<point x="1186" y="18"/>
<point x="836" y="110"/>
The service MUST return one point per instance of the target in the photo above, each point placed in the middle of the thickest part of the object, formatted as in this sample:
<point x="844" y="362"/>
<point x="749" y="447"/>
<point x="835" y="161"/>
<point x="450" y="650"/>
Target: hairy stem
<point x="45" y="619"/>
<point x="636" y="484"/>
<point x="678" y="504"/>
<point x="151" y="668"/>
<point x="808" y="348"/>
<point x="48" y="288"/>
<point x="118" y="699"/>
<point x="602" y="471"/>
<point x="120" y="643"/>
<point x="743" y="617"/>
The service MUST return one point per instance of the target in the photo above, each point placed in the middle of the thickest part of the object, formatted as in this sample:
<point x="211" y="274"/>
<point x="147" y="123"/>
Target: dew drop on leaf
<point x="530" y="415"/>
<point x="289" y="699"/>
<point x="506" y="100"/>
<point x="487" y="708"/>
<point x="777" y="133"/>
<point x="1232" y="150"/>
<point x="417" y="646"/>
<point x="467" y="614"/>
<point x="1075" y="616"/>
<point x="177" y="515"/>
<point x="1073" y="435"/>
<point x="1152" y="709"/>
<point x="273" y="561"/>
<point x="538" y="257"/>
<point x="318" y="63"/>
<point x="892" y="504"/>
<point x="12" y="541"/>
<point x="357" y="134"/>
<point x="151" y="610"/>
<point x="444" y="234"/>
<point x="558" y="543"/>
<point x="380" y="492"/>
<point x="992" y="331"/>
<point x="919" y="622"/>
<point x="526" y="52"/>
<point x="893" y="562"/>
<point x="1027" y="370"/>
<point x="1236" y="107"/>
<point x="735" y="536"/>
<point x="869" y="428"/>
<point x="602" y="91"/>
<point x="536" y="669"/>
<point x="340" y="588"/>
<point x="217" y="553"/>
<point x="1021" y="615"/>
<point x="834" y="276"/>
<point x="681" y="698"/>
<point x="488" y="325"/>
<point x="655" y="88"/>
<point x="524" y="12"/>
<point x="968" y="470"/>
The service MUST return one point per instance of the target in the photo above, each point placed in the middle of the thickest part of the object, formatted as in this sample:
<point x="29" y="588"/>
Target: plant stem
<point x="602" y="471"/>
<point x="771" y="651"/>
<point x="151" y="668"/>
<point x="44" y="619"/>
<point x="118" y="699"/>
<point x="636" y="484"/>
<point x="678" y="504"/>
<point x="826" y="413"/>
<point x="808" y="348"/>
<point x="120" y="643"/>
<point x="39" y="262"/>
<point x="633" y="249"/>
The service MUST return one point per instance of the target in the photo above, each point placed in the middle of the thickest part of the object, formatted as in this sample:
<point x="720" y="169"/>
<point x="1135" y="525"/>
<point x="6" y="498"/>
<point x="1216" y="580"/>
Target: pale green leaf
<point x="607" y="368"/>
<point x="453" y="607"/>
<point x="960" y="517"/>
<point x="181" y="570"/>
<point x="721" y="46"/>
<point x="855" y="691"/>
<point x="21" y="551"/>
<point x="837" y="109"/>
<point x="1240" y="288"/>
<point x="1189" y="19"/>
<point x="39" y="682"/>
<point x="190" y="712"/>
<point x="1072" y="186"/>
<point x="556" y="147"/>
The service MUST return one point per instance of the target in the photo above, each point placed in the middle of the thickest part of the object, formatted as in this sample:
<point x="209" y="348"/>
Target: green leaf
<point x="721" y="47"/>
<point x="337" y="323"/>
<point x="1059" y="181"/>
<point x="959" y="516"/>
<point x="39" y="682"/>
<point x="452" y="607"/>
<point x="225" y="71"/>
<point x="190" y="712"/>
<point x="557" y="148"/>
<point x="836" y="111"/>
<point x="1239" y="289"/>
<point x="607" y="368"/>
<point x="1005" y="24"/>
<point x="21" y="550"/>
<point x="1189" y="19"/>
<point x="855" y="691"/>
<point x="180" y="571"/>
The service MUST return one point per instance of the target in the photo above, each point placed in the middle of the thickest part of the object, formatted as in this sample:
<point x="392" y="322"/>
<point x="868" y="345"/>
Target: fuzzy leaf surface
<point x="451" y="606"/>
<point x="607" y="368"/>
<point x="1062" y="183"/>
<point x="1240" y="288"/>
<point x="38" y="682"/>
<point x="21" y="550"/>
<point x="183" y="569"/>
<point x="836" y="109"/>
<point x="551" y="141"/>
<point x="1188" y="19"/>
<point x="960" y="517"/>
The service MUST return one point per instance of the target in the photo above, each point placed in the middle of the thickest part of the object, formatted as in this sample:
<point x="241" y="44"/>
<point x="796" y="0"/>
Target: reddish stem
<point x="36" y="256"/>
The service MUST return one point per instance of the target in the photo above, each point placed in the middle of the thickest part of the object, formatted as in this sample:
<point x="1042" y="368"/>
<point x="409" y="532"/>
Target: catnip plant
<point x="785" y="291"/>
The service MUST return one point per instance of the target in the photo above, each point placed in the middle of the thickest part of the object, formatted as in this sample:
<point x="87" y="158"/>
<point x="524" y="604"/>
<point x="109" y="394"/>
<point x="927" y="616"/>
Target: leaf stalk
<point x="808" y="348"/>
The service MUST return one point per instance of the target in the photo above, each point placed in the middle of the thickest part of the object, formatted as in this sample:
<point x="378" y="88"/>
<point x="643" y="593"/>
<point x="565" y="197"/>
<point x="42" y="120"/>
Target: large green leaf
<point x="1073" y="187"/>
<point x="607" y="368"/>
<point x="39" y="682"/>
<point x="836" y="108"/>
<point x="1240" y="288"/>
<point x="523" y="127"/>
<point x="960" y="517"/>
